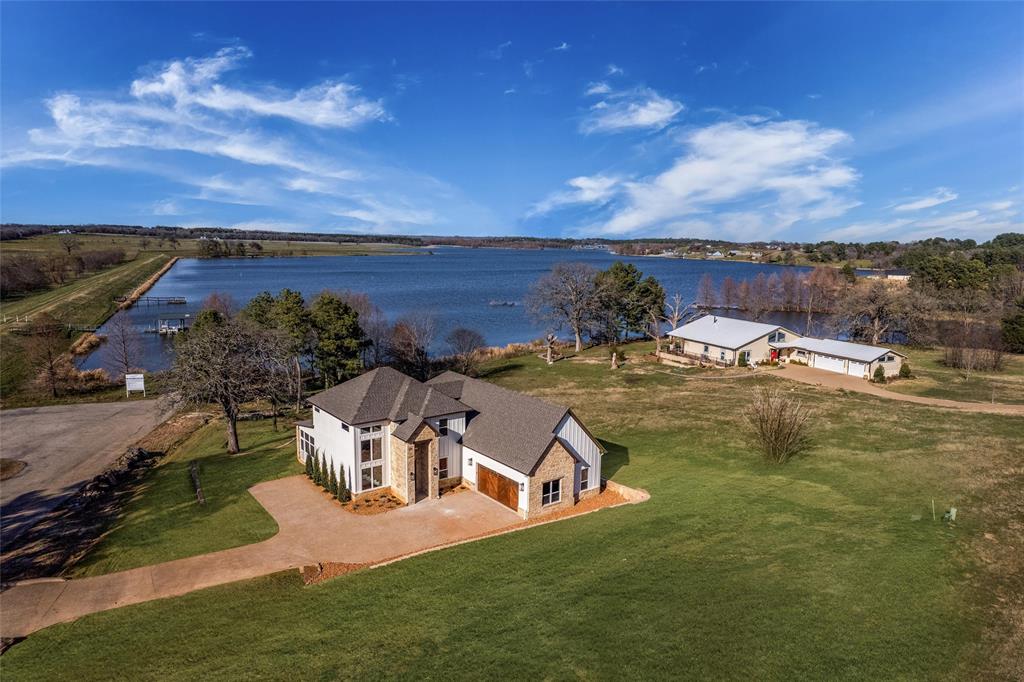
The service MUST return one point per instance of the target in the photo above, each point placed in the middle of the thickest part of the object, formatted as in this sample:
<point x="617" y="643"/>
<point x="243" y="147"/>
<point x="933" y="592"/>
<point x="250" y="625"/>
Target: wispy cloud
<point x="594" y="189"/>
<point x="510" y="91"/>
<point x="638" y="108"/>
<point x="528" y="67"/>
<point x="980" y="223"/>
<point x="701" y="68"/>
<point x="498" y="52"/>
<point x="614" y="70"/>
<point x="940" y="195"/>
<point x="814" y="95"/>
<point x="183" y="115"/>
<point x="564" y="47"/>
<point x="746" y="178"/>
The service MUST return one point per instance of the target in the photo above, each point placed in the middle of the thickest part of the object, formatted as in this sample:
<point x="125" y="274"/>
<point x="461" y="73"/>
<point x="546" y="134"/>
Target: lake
<point x="456" y="285"/>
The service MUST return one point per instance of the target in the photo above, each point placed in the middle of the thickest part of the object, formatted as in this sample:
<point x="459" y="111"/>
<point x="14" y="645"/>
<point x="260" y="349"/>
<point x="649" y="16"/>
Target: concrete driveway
<point x="312" y="528"/>
<point x="820" y="377"/>
<point x="63" y="446"/>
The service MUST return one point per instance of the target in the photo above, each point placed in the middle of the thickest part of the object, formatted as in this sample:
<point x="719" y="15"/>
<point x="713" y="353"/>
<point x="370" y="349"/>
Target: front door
<point x="422" y="471"/>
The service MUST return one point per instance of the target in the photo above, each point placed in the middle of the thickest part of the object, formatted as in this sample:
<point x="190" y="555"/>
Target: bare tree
<point x="230" y="362"/>
<point x="653" y="328"/>
<point x="411" y="339"/>
<point x="730" y="293"/>
<point x="123" y="348"/>
<point x="220" y="302"/>
<point x="465" y="345"/>
<point x="567" y="296"/>
<point x="44" y="349"/>
<point x="873" y="309"/>
<point x="69" y="242"/>
<point x="706" y="297"/>
<point x="779" y="424"/>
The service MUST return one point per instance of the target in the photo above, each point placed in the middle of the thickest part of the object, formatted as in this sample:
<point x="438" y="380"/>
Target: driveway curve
<point x="312" y="529"/>
<point x="818" y="377"/>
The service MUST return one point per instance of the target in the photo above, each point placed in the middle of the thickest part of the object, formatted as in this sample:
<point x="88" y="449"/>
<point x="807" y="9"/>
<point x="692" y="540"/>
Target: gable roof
<point x="843" y="349"/>
<point x="513" y="428"/>
<point x="384" y="394"/>
<point x="725" y="332"/>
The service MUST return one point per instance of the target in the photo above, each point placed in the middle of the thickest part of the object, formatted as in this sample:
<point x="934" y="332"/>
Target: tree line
<point x="25" y="273"/>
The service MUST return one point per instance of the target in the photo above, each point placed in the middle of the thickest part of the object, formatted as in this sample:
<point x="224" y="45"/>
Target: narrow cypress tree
<point x="325" y="479"/>
<point x="343" y="493"/>
<point x="316" y="468"/>
<point x="309" y="466"/>
<point x="334" y="483"/>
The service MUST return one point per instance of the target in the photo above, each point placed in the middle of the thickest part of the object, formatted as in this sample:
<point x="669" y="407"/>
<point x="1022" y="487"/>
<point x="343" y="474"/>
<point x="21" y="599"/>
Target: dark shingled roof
<point x="409" y="427"/>
<point x="512" y="428"/>
<point x="384" y="394"/>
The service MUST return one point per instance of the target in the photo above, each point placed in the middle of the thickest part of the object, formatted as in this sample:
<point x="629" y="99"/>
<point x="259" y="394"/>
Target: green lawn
<point x="935" y="380"/>
<point x="827" y="568"/>
<point x="164" y="521"/>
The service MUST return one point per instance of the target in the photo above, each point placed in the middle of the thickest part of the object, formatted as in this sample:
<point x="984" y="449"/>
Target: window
<point x="442" y="467"/>
<point x="888" y="358"/>
<point x="551" y="492"/>
<point x="776" y="337"/>
<point x="344" y="426"/>
<point x="584" y="478"/>
<point x="745" y="355"/>
<point x="371" y="458"/>
<point x="801" y="354"/>
<point x="721" y="355"/>
<point x="442" y="427"/>
<point x="705" y="348"/>
<point x="308" y="444"/>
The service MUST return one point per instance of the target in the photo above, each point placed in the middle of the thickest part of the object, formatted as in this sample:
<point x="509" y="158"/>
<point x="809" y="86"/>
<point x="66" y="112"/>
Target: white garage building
<point x="842" y="357"/>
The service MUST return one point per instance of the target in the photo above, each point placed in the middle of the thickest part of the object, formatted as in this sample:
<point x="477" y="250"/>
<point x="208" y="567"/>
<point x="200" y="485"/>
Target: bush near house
<point x="905" y="370"/>
<point x="879" y="376"/>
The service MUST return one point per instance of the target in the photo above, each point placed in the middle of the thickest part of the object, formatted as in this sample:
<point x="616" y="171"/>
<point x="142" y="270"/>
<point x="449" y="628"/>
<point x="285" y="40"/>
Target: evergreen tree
<point x="325" y="480"/>
<point x="343" y="493"/>
<point x="316" y="468"/>
<point x="338" y="339"/>
<point x="879" y="375"/>
<point x="309" y="466"/>
<point x="333" y="485"/>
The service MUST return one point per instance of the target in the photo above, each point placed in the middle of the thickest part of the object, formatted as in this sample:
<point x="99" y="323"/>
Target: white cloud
<point x="1000" y="205"/>
<point x="528" y="67"/>
<point x="615" y="70"/>
<point x="598" y="88"/>
<point x="166" y="207"/>
<point x="638" y="108"/>
<point x="746" y="178"/>
<point x="940" y="195"/>
<point x="585" y="190"/>
<point x="701" y="68"/>
<point x="980" y="224"/>
<point x="564" y="47"/>
<point x="814" y="95"/>
<point x="193" y="82"/>
<point x="510" y="91"/>
<point x="498" y="52"/>
<point x="878" y="230"/>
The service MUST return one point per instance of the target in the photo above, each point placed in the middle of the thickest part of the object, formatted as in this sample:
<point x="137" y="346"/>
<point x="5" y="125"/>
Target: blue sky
<point x="737" y="121"/>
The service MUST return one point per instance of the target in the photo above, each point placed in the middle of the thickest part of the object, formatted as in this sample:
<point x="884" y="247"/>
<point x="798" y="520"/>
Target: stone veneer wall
<point x="402" y="460"/>
<point x="556" y="464"/>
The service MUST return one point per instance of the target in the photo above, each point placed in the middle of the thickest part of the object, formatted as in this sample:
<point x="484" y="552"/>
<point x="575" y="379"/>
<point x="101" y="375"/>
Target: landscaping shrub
<point x="343" y="492"/>
<point x="905" y="371"/>
<point x="879" y="376"/>
<point x="743" y="360"/>
<point x="317" y="469"/>
<point x="309" y="467"/>
<point x="332" y="484"/>
<point x="779" y="425"/>
<point x="325" y="479"/>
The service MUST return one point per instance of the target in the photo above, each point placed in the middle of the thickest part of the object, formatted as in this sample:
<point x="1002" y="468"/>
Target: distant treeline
<point x="24" y="273"/>
<point x="1006" y="248"/>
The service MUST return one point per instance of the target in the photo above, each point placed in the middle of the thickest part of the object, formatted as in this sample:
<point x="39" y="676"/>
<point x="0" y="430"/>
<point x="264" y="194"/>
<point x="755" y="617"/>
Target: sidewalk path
<point x="312" y="528"/>
<point x="819" y="377"/>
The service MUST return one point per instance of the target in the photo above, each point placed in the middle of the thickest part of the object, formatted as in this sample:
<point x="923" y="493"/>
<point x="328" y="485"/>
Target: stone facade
<point x="402" y="462"/>
<point x="557" y="463"/>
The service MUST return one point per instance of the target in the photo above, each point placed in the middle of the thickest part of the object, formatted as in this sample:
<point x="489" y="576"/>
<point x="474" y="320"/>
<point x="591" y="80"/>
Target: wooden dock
<point x="156" y="300"/>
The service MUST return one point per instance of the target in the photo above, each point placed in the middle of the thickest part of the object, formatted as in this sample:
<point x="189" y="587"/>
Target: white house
<point x="842" y="357"/>
<point x="387" y="431"/>
<point x="727" y="340"/>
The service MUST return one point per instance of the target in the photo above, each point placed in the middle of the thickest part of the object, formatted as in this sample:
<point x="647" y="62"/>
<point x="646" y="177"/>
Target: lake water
<point x="456" y="285"/>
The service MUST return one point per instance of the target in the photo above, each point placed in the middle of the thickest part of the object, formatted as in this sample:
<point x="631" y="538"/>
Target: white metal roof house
<point x="725" y="340"/>
<point x="388" y="431"/>
<point x="843" y="357"/>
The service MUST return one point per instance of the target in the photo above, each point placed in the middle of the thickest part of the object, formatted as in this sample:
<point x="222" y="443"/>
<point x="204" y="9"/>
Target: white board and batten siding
<point x="334" y="442"/>
<point x="448" y="445"/>
<point x="584" y="447"/>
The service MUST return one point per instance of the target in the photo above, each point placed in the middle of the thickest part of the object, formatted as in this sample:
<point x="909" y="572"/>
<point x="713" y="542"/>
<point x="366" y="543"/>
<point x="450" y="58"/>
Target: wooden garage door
<point x="498" y="487"/>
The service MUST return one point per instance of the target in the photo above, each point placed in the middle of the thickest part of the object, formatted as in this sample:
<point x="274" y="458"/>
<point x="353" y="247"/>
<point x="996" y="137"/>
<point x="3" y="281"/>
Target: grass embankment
<point x="934" y="379"/>
<point x="827" y="568"/>
<point x="86" y="301"/>
<point x="164" y="522"/>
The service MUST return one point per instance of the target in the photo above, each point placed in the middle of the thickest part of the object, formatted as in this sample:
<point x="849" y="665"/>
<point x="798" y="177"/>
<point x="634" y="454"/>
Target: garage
<point x="857" y="369"/>
<point x="830" y="363"/>
<point x="500" y="488"/>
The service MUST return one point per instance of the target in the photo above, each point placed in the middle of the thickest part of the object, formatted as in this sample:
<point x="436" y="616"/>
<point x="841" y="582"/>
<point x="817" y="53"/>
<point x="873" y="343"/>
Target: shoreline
<point x="140" y="290"/>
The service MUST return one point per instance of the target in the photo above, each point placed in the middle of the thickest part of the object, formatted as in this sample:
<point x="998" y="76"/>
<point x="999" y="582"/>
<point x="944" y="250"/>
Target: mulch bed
<point x="317" y="573"/>
<point x="374" y="504"/>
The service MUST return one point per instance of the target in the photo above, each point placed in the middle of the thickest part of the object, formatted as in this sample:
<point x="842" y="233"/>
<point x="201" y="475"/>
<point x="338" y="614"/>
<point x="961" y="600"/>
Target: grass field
<point x="164" y="522"/>
<point x="935" y="380"/>
<point x="830" y="567"/>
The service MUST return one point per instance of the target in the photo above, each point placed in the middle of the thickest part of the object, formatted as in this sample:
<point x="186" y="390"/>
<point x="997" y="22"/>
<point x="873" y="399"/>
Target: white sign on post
<point x="134" y="382"/>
